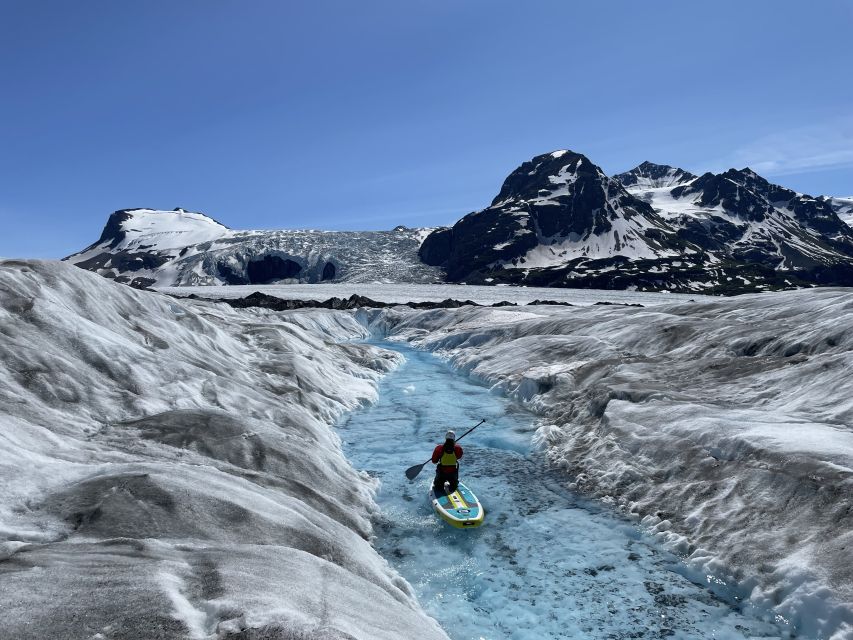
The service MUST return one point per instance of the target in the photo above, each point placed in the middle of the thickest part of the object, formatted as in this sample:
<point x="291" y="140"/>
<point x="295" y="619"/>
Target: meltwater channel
<point x="547" y="563"/>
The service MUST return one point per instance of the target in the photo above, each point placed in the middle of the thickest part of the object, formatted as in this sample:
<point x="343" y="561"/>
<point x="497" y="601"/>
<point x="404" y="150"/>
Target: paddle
<point x="412" y="472"/>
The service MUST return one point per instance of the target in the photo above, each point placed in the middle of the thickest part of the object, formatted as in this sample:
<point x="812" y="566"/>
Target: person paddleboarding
<point x="446" y="458"/>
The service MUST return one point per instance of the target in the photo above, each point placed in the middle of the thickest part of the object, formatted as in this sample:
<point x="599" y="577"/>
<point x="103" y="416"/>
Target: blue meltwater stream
<point x="547" y="563"/>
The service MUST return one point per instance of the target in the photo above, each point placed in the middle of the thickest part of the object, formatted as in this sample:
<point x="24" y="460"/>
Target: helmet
<point x="450" y="435"/>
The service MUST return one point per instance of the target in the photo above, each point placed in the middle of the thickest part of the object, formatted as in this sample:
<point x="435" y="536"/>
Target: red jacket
<point x="436" y="456"/>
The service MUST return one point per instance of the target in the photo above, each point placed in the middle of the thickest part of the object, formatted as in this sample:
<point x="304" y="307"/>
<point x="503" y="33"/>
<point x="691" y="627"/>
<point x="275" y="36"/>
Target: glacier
<point x="156" y="483"/>
<point x="168" y="469"/>
<point x="724" y="426"/>
<point x="548" y="563"/>
<point x="146" y="247"/>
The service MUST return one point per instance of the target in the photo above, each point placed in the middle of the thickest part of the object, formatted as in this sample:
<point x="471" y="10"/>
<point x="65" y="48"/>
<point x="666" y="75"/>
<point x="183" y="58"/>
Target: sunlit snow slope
<point x="725" y="425"/>
<point x="173" y="248"/>
<point x="843" y="208"/>
<point x="167" y="469"/>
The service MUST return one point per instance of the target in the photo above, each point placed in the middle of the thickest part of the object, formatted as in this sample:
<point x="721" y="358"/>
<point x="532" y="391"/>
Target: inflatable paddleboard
<point x="460" y="509"/>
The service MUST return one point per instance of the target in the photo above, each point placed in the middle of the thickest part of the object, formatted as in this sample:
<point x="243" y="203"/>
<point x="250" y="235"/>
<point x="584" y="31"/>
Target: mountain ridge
<point x="558" y="220"/>
<point x="717" y="233"/>
<point x="654" y="175"/>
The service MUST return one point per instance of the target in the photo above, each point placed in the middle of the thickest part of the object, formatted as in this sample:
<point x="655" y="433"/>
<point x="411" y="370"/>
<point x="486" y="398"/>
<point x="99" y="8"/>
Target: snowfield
<point x="725" y="426"/>
<point x="843" y="207"/>
<point x="167" y="469"/>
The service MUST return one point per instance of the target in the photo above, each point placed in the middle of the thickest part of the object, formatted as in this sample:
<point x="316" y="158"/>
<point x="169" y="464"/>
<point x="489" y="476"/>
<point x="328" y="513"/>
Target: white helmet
<point x="450" y="435"/>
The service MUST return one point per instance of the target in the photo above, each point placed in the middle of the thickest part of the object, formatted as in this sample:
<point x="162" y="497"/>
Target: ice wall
<point x="167" y="469"/>
<point x="726" y="425"/>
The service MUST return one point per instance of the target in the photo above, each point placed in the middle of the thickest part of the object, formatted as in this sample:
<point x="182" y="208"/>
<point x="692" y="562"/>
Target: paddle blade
<point x="412" y="472"/>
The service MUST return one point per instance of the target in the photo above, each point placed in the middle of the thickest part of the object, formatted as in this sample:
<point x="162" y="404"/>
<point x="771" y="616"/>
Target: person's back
<point x="446" y="458"/>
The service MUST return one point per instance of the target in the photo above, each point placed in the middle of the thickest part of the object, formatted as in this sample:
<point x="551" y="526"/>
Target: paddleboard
<point x="460" y="509"/>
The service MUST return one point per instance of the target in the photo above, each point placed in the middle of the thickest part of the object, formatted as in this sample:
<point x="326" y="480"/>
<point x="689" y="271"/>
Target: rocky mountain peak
<point x="560" y="221"/>
<point x="649" y="175"/>
<point x="546" y="174"/>
<point x="561" y="200"/>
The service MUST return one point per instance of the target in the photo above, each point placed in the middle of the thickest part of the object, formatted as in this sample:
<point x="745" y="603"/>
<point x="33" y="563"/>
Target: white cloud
<point x="827" y="145"/>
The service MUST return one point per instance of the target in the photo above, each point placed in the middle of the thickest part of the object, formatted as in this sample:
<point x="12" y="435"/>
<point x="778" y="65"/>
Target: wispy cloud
<point x="827" y="145"/>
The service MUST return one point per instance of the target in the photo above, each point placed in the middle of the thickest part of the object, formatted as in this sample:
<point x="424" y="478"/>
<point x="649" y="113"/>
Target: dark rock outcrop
<point x="113" y="232"/>
<point x="436" y="248"/>
<point x="265" y="301"/>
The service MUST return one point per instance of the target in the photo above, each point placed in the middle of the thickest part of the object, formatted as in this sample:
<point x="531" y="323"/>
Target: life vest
<point x="448" y="459"/>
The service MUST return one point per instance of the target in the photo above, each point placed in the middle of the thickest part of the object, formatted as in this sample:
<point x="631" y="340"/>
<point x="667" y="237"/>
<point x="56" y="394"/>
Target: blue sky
<point x="365" y="115"/>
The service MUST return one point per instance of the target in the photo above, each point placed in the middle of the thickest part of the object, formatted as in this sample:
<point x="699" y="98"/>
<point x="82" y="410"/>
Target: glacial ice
<point x="185" y="248"/>
<point x="154" y="482"/>
<point x="725" y="424"/>
<point x="167" y="469"/>
<point x="547" y="563"/>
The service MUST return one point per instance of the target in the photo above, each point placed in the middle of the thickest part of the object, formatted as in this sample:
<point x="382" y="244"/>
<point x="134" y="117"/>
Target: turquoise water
<point x="546" y="563"/>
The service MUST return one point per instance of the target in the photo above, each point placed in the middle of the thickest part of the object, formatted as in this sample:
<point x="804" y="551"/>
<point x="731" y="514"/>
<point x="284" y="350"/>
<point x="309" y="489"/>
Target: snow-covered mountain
<point x="553" y="210"/>
<point x="148" y="247"/>
<point x="741" y="214"/>
<point x="560" y="221"/>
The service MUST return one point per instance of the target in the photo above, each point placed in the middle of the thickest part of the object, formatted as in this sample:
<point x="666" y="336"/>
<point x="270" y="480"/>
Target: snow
<point x="170" y="229"/>
<point x="843" y="207"/>
<point x="776" y="228"/>
<point x="625" y="238"/>
<point x="724" y="424"/>
<point x="672" y="178"/>
<point x="169" y="470"/>
<point x="402" y="293"/>
<point x="421" y="234"/>
<point x="670" y="207"/>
